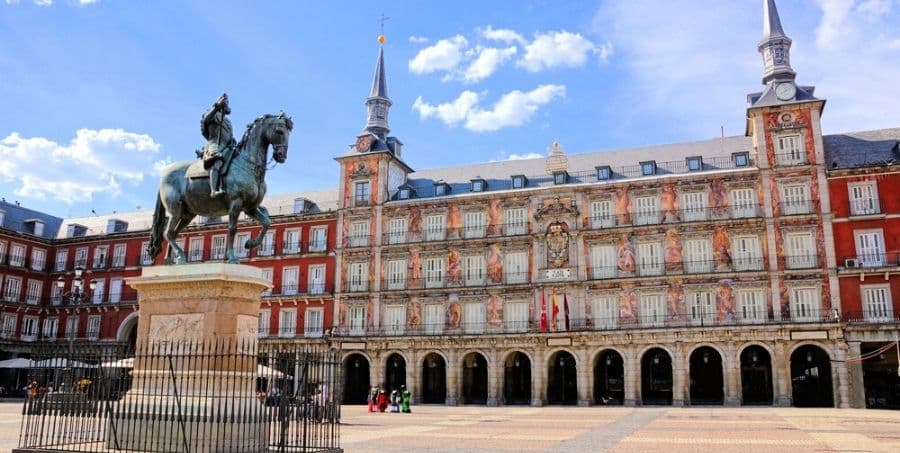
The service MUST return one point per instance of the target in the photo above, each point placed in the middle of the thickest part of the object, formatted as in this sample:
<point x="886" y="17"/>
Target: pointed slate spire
<point x="379" y="82"/>
<point x="775" y="47"/>
<point x="378" y="104"/>
<point x="771" y="21"/>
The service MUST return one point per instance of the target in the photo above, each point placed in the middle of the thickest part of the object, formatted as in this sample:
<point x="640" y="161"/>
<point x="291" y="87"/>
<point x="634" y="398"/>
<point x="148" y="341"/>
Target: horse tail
<point x="157" y="230"/>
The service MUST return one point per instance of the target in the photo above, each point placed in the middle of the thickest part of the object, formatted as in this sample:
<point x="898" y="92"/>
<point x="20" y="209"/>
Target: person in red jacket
<point x="382" y="401"/>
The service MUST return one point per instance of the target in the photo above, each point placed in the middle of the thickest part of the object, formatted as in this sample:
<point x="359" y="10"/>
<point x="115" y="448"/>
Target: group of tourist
<point x="398" y="399"/>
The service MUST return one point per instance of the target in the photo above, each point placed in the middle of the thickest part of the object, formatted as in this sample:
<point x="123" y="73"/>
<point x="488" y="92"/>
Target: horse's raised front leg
<point x="261" y="215"/>
<point x="233" y="213"/>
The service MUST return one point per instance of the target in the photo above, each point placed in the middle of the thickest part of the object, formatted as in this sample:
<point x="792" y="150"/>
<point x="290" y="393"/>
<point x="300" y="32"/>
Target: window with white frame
<point x="267" y="247"/>
<point x="397" y="230"/>
<point x="800" y="251"/>
<point x="870" y="248"/>
<point x="81" y="254"/>
<point x="97" y="292"/>
<point x="61" y="257"/>
<point x="746" y="253"/>
<point x="396" y="274"/>
<point x="51" y="327"/>
<point x="789" y="150"/>
<point x="702" y="307"/>
<point x="145" y="254"/>
<point x="515" y="316"/>
<point x="603" y="261"/>
<point x="652" y="309"/>
<point x="605" y="310"/>
<point x="877" y="303"/>
<point x="118" y="259"/>
<point x="12" y="289"/>
<point x="646" y="210"/>
<point x="359" y="276"/>
<point x="473" y="224"/>
<point x="434" y="272"/>
<point x="394" y="319"/>
<point x="804" y="304"/>
<point x="516" y="267"/>
<point x="33" y="291"/>
<point x="318" y="237"/>
<point x="474" y="270"/>
<point x="9" y="325"/>
<point x="55" y="294"/>
<point x="287" y="322"/>
<point x="314" y="323"/>
<point x="357" y="321"/>
<point x="2" y="251"/>
<point x="473" y="317"/>
<point x="795" y="199"/>
<point x="290" y="278"/>
<point x="195" y="249"/>
<point x="742" y="203"/>
<point x="361" y="193"/>
<point x="698" y="255"/>
<point x="434" y="227"/>
<point x="316" y="279"/>
<point x="864" y="198"/>
<point x="694" y="206"/>
<point x="602" y="215"/>
<point x="751" y="305"/>
<point x="240" y="240"/>
<point x="115" y="290"/>
<point x="269" y="275"/>
<point x="72" y="327"/>
<point x="650" y="258"/>
<point x="38" y="259"/>
<point x="516" y="223"/>
<point x="218" y="247"/>
<point x="291" y="240"/>
<point x="433" y="319"/>
<point x="29" y="328"/>
<point x="17" y="255"/>
<point x="93" y="327"/>
<point x="262" y="327"/>
<point x="101" y="253"/>
<point x="359" y="234"/>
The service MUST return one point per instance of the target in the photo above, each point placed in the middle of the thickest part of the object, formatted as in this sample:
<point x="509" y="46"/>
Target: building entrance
<point x="609" y="379"/>
<point x="394" y="373"/>
<point x="562" y="379"/>
<point x="707" y="383"/>
<point x="517" y="379"/>
<point x="356" y="379"/>
<point x="656" y="377"/>
<point x="756" y="376"/>
<point x="475" y="379"/>
<point x="811" y="377"/>
<point x="434" y="379"/>
<point x="880" y="379"/>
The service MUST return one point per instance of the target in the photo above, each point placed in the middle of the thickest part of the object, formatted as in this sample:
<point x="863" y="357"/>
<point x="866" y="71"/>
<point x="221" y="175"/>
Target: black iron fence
<point x="182" y="397"/>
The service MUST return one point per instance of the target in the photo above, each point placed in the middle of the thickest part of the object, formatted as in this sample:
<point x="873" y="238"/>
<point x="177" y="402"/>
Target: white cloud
<point x="87" y="2"/>
<point x="555" y="49"/>
<point x="487" y="62"/>
<point x="524" y="156"/>
<point x="418" y="39"/>
<point x="512" y="109"/>
<point x="43" y="2"/>
<point x="444" y="55"/>
<point x="502" y="34"/>
<point x="93" y="161"/>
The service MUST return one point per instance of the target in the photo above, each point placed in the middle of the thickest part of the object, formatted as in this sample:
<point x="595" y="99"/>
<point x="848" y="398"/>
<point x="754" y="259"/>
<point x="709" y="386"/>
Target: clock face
<point x="785" y="91"/>
<point x="363" y="143"/>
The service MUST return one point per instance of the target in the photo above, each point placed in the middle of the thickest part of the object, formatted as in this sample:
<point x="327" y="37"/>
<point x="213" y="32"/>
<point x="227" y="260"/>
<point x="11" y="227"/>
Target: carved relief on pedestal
<point x="176" y="328"/>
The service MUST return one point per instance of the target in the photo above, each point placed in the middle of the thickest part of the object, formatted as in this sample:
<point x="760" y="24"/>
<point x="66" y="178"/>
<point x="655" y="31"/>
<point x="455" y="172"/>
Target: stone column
<point x="376" y="371"/>
<point x="538" y="378"/>
<point x="453" y="366"/>
<point x="781" y="375"/>
<point x="632" y="367"/>
<point x="585" y="374"/>
<point x="857" y="385"/>
<point x="680" y="391"/>
<point x="495" y="376"/>
<point x="731" y="366"/>
<point x="413" y="369"/>
<point x="842" y="397"/>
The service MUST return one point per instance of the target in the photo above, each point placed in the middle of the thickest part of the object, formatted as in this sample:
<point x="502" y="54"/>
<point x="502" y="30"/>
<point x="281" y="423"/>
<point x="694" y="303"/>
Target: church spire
<point x="775" y="46"/>
<point x="378" y="102"/>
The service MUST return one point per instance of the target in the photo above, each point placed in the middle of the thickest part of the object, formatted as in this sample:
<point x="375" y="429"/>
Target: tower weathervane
<point x="382" y="20"/>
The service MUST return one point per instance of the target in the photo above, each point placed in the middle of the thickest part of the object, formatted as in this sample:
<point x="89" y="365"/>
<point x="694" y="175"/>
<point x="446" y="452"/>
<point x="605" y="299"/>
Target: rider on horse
<point x="216" y="129"/>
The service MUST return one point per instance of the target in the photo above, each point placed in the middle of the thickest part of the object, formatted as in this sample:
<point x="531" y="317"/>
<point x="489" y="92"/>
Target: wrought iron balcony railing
<point x="686" y="267"/>
<point x="300" y="289"/>
<point x="442" y="281"/>
<point x="871" y="260"/>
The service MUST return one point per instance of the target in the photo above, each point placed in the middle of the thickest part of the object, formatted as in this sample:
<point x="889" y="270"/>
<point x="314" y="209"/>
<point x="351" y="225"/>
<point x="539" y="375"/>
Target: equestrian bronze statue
<point x="229" y="178"/>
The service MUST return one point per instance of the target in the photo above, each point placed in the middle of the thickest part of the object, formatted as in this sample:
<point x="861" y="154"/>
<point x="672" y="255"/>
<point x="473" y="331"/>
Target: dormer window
<point x="403" y="194"/>
<point x="603" y="172"/>
<point x="35" y="227"/>
<point x="560" y="177"/>
<point x="648" y="168"/>
<point x="519" y="182"/>
<point x="741" y="159"/>
<point x="300" y="205"/>
<point x="441" y="188"/>
<point x="75" y="230"/>
<point x="116" y="226"/>
<point x="478" y="185"/>
<point x="695" y="163"/>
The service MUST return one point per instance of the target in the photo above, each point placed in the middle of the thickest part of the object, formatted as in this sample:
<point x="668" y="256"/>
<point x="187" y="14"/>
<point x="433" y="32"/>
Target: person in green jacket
<point x="406" y="397"/>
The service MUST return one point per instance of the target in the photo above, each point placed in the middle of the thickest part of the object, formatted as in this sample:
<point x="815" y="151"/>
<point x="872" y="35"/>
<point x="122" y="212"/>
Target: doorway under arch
<point x="562" y="379"/>
<point x="656" y="377"/>
<point x="475" y="379"/>
<point x="707" y="381"/>
<point x="394" y="373"/>
<point x="609" y="379"/>
<point x="756" y="376"/>
<point x="517" y="379"/>
<point x="356" y="379"/>
<point x="811" y="377"/>
<point x="434" y="379"/>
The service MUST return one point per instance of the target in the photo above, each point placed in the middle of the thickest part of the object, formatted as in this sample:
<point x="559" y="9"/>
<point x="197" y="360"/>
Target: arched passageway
<point x="356" y="379"/>
<point x="609" y="379"/>
<point x="880" y="375"/>
<point x="562" y="379"/>
<point x="434" y="379"/>
<point x="475" y="379"/>
<point x="811" y="377"/>
<point x="394" y="373"/>
<point x="707" y="382"/>
<point x="517" y="379"/>
<point x="756" y="376"/>
<point x="656" y="377"/>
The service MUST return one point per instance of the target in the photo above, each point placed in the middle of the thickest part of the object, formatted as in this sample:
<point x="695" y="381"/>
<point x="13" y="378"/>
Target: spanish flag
<point x="555" y="312"/>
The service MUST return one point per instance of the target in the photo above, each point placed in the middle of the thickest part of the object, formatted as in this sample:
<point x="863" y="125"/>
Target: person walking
<point x="372" y="397"/>
<point x="395" y="401"/>
<point x="406" y="397"/>
<point x="382" y="401"/>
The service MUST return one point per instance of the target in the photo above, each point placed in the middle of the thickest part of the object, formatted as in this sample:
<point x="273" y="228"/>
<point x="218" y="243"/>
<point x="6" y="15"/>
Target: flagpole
<point x="543" y="325"/>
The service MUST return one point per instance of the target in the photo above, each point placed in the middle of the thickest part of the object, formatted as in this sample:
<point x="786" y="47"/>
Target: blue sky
<point x="94" y="96"/>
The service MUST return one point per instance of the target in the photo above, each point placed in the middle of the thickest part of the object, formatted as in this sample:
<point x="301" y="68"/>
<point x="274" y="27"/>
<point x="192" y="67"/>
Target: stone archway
<point x="609" y="378"/>
<point x="756" y="376"/>
<point x="517" y="379"/>
<point x="127" y="332"/>
<point x="656" y="377"/>
<point x="880" y="375"/>
<point x="356" y="379"/>
<point x="707" y="381"/>
<point x="811" y="377"/>
<point x="434" y="379"/>
<point x="474" y="379"/>
<point x="562" y="379"/>
<point x="394" y="373"/>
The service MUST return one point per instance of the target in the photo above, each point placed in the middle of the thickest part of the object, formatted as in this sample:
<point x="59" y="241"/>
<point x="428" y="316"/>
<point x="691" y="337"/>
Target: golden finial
<point x="381" y="39"/>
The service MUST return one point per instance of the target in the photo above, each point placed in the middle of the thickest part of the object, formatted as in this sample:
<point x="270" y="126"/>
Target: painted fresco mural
<point x="717" y="199"/>
<point x="415" y="224"/>
<point x="454" y="268"/>
<point x="675" y="299"/>
<point x="673" y="259"/>
<point x="454" y="222"/>
<point x="628" y="304"/>
<point x="668" y="204"/>
<point x="623" y="206"/>
<point x="495" y="310"/>
<point x="414" y="268"/>
<point x="454" y="312"/>
<point x="625" y="256"/>
<point x="495" y="264"/>
<point x="414" y="314"/>
<point x="494" y="218"/>
<point x="725" y="301"/>
<point x="721" y="244"/>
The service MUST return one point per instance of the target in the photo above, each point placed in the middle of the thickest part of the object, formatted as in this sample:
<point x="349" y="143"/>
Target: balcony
<point x="675" y="216"/>
<point x="436" y="282"/>
<point x="687" y="267"/>
<point x="794" y="158"/>
<point x="872" y="316"/>
<point x="798" y="207"/>
<point x="474" y="232"/>
<point x="302" y="289"/>
<point x="871" y="261"/>
<point x="801" y="261"/>
<point x="866" y="206"/>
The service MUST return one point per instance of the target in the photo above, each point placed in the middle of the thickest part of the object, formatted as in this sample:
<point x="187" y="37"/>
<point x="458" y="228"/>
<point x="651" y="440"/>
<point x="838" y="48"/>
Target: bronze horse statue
<point x="184" y="189"/>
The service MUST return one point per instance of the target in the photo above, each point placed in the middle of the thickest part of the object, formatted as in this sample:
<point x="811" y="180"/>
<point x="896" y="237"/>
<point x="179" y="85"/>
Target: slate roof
<point x="14" y="218"/>
<point x="862" y="149"/>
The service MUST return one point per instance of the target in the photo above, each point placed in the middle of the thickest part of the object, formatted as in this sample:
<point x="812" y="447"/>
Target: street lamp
<point x="76" y="296"/>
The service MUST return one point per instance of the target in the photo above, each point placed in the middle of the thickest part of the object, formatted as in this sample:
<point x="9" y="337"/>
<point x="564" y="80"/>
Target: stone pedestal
<point x="195" y="369"/>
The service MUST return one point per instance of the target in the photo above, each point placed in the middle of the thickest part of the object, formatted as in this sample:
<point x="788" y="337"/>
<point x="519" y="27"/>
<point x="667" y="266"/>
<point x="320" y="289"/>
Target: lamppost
<point x="76" y="296"/>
